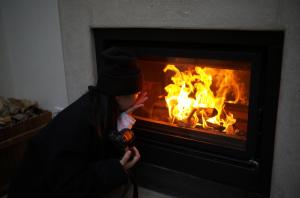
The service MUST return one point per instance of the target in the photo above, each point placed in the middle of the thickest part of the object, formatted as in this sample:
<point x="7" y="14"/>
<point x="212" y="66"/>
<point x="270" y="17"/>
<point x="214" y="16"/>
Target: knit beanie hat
<point x="119" y="73"/>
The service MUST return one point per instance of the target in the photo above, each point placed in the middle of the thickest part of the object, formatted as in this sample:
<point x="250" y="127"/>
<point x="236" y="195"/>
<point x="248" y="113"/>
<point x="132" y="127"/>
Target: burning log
<point x="215" y="126"/>
<point x="206" y="112"/>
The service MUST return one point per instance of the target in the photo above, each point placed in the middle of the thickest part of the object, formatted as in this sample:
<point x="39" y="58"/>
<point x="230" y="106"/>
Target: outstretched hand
<point x="142" y="97"/>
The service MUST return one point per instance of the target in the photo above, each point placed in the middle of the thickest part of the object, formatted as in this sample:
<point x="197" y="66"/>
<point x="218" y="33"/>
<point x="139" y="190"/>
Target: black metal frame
<point x="248" y="168"/>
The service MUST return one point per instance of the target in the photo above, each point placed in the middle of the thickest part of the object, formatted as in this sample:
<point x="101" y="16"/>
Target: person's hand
<point x="142" y="97"/>
<point x="130" y="158"/>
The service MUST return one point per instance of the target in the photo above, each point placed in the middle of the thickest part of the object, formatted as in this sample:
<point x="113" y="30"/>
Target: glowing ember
<point x="191" y="101"/>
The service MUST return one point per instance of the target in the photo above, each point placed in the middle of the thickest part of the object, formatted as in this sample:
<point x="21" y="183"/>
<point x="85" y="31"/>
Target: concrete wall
<point x="77" y="16"/>
<point x="31" y="52"/>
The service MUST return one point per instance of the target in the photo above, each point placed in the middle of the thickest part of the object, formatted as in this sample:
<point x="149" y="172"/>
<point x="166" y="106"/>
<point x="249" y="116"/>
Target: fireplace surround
<point x="240" y="157"/>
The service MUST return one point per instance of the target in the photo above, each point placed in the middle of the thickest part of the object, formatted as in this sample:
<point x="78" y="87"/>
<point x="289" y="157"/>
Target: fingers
<point x="136" y="152"/>
<point x="125" y="157"/>
<point x="142" y="98"/>
<point x="129" y="164"/>
<point x="134" y="107"/>
<point x="139" y="102"/>
<point x="135" y="159"/>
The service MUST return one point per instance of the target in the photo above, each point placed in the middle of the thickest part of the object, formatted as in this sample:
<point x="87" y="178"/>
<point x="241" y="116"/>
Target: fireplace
<point x="212" y="101"/>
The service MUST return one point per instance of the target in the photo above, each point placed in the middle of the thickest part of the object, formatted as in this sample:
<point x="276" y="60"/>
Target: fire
<point x="192" y="102"/>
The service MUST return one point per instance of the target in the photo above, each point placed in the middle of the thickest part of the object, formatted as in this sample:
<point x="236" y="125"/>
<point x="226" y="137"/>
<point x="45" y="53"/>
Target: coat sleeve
<point x="69" y="176"/>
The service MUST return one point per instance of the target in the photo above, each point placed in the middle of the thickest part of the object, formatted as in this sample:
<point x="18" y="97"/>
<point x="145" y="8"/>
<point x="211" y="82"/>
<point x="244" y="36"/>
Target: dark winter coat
<point x="68" y="159"/>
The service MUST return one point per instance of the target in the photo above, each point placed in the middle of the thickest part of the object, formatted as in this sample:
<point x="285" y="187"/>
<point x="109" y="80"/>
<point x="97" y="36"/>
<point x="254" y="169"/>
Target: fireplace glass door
<point x="197" y="97"/>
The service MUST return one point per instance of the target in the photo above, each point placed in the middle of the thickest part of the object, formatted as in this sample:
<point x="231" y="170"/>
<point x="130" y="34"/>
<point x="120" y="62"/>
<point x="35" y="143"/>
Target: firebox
<point x="212" y="102"/>
<point x="198" y="98"/>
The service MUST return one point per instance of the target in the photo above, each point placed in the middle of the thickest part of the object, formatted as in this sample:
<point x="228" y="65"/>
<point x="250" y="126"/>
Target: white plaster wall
<point x="6" y="82"/>
<point x="32" y="57"/>
<point x="77" y="16"/>
<point x="286" y="174"/>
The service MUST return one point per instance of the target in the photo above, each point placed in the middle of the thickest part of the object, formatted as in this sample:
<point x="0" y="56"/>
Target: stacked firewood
<point x="13" y="111"/>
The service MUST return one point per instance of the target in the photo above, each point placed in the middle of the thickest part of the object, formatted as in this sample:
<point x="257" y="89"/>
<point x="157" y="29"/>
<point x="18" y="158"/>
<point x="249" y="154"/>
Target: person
<point x="74" y="156"/>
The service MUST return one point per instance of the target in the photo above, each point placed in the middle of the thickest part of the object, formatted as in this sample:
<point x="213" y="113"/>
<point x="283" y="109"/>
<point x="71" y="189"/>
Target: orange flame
<point x="191" y="101"/>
